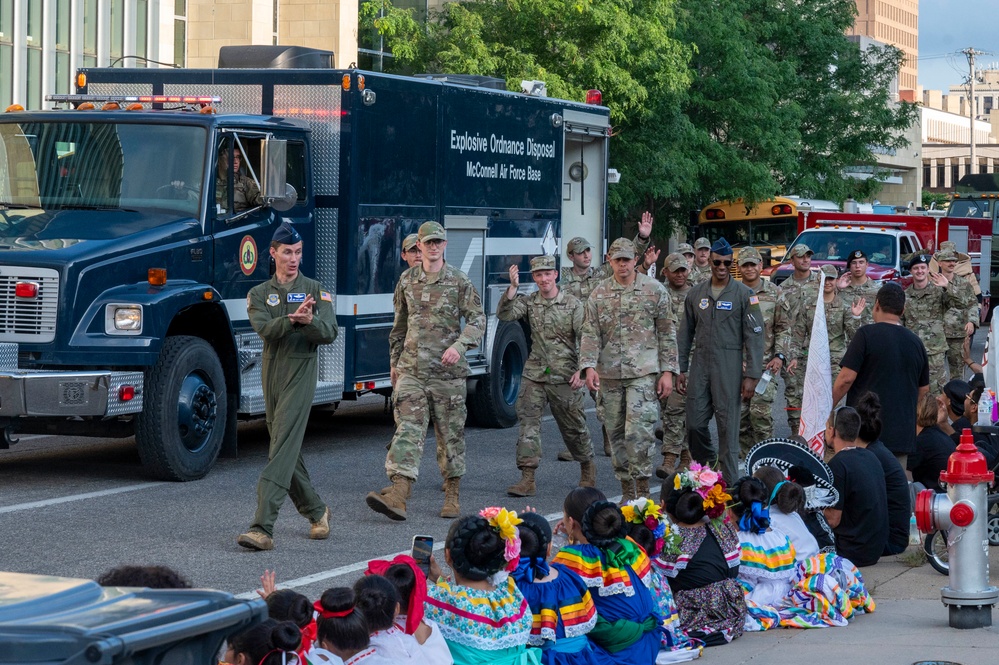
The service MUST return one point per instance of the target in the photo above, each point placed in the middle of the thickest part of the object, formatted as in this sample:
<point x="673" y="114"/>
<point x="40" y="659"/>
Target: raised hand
<point x="515" y="276"/>
<point x="857" y="308"/>
<point x="645" y="226"/>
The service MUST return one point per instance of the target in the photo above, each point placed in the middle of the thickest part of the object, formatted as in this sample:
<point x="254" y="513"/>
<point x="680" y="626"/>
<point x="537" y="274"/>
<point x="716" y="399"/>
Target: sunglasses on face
<point x="719" y="262"/>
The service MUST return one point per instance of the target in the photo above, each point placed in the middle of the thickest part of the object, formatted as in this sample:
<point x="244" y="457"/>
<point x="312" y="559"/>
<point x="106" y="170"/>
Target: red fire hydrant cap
<point x="966" y="465"/>
<point x="962" y="514"/>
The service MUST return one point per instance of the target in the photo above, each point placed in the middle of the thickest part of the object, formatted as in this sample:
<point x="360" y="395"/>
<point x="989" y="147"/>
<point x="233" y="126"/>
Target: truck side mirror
<point x="274" y="160"/>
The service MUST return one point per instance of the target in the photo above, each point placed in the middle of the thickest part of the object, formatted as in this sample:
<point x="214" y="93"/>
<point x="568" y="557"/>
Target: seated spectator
<point x="814" y="519"/>
<point x="289" y="605"/>
<point x="786" y="503"/>
<point x="896" y="482"/>
<point x="561" y="603"/>
<point x="341" y="632"/>
<point x="484" y="619"/>
<point x="378" y="601"/>
<point x="933" y="446"/>
<point x="859" y="520"/>
<point x="618" y="573"/>
<point x="267" y="643"/>
<point x="982" y="440"/>
<point x="703" y="567"/>
<point x="147" y="577"/>
<point x="952" y="403"/>
<point x="411" y="585"/>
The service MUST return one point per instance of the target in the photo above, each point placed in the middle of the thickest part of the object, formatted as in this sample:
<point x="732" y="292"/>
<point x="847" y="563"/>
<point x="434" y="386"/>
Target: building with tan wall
<point x="894" y="22"/>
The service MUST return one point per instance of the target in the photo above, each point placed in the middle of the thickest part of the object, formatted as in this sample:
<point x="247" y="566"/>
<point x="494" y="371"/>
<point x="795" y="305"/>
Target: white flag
<point x="990" y="363"/>
<point x="817" y="402"/>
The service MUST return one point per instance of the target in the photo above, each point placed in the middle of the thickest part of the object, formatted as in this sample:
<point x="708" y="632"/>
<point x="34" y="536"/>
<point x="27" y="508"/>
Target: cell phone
<point x="423" y="547"/>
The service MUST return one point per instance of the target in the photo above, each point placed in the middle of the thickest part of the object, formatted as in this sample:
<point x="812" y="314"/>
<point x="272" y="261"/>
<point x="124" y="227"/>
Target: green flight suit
<point x="290" y="371"/>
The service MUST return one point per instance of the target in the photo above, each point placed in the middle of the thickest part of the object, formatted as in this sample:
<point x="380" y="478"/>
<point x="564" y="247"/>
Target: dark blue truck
<point x="125" y="259"/>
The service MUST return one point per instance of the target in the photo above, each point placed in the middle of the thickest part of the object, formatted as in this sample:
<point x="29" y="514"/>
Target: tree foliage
<point x="709" y="100"/>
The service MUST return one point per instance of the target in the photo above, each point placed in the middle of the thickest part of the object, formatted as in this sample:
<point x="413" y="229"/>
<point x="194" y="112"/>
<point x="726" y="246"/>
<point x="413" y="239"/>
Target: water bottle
<point x="984" y="409"/>
<point x="761" y="387"/>
<point x="913" y="530"/>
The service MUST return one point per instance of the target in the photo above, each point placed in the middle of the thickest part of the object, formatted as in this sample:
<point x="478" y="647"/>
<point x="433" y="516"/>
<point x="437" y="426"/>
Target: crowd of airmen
<point x="631" y="340"/>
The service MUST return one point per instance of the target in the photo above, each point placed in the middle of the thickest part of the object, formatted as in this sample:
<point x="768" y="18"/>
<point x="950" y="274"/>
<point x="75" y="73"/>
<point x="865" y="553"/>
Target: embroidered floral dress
<point x="482" y="627"/>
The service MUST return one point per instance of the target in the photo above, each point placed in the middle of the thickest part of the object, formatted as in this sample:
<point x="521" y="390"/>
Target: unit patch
<point x="247" y="255"/>
<point x="723" y="304"/>
<point x="296" y="297"/>
<point x="704" y="304"/>
<point x="326" y="295"/>
<point x="273" y="300"/>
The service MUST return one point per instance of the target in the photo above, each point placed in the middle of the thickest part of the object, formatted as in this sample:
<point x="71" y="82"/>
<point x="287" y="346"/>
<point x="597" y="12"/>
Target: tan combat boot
<point x="526" y="486"/>
<point x="642" y="487"/>
<point x="321" y="530"/>
<point x="668" y="465"/>
<point x="451" y="507"/>
<point x="628" y="490"/>
<point x="391" y="502"/>
<point x="685" y="459"/>
<point x="587" y="474"/>
<point x="256" y="541"/>
<point x="565" y="456"/>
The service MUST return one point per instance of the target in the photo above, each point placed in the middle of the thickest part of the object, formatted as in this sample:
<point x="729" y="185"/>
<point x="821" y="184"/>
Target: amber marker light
<point x="207" y="295"/>
<point x="81" y="81"/>
<point x="157" y="276"/>
<point x="345" y="82"/>
<point x="14" y="108"/>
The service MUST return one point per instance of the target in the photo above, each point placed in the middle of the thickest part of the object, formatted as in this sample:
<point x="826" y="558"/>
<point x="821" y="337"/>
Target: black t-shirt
<point x="933" y="449"/>
<point x="863" y="528"/>
<point x="707" y="566"/>
<point x="959" y="426"/>
<point x="897" y="491"/>
<point x="890" y="361"/>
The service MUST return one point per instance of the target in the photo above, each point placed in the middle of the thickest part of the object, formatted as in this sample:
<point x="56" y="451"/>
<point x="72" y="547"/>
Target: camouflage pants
<point x="756" y="422"/>
<point x="630" y="411"/>
<point x="955" y="357"/>
<point x="415" y="400"/>
<point x="794" y="386"/>
<point x="938" y="371"/>
<point x="567" y="409"/>
<point x="674" y="415"/>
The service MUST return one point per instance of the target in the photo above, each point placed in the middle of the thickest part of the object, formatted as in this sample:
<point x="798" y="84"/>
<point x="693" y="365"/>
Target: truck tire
<point x="179" y="432"/>
<point x="494" y="402"/>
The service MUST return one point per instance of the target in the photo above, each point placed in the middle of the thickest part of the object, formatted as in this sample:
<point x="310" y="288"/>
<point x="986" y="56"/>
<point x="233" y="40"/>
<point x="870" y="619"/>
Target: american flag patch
<point x="326" y="295"/>
<point x="753" y="300"/>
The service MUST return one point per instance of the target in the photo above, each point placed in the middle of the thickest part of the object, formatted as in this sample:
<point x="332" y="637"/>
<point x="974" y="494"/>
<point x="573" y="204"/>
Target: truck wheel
<point x="493" y="404"/>
<point x="180" y="429"/>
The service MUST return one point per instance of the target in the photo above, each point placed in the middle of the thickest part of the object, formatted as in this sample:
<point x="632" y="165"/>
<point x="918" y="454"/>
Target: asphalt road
<point x="77" y="507"/>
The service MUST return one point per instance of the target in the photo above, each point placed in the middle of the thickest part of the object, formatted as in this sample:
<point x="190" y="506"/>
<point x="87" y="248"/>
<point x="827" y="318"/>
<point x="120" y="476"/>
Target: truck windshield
<point x="100" y="165"/>
<point x="836" y="245"/>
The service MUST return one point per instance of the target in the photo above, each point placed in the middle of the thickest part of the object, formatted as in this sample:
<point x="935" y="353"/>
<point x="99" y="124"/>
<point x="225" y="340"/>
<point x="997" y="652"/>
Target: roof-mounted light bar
<point x="134" y="99"/>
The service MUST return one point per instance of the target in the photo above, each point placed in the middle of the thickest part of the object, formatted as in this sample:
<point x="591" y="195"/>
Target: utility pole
<point x="970" y="52"/>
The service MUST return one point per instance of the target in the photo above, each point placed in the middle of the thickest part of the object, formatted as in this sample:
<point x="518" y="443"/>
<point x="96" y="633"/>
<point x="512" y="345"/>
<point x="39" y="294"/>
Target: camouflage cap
<point x="685" y="248"/>
<point x="749" y="255"/>
<point x="676" y="261"/>
<point x="622" y="248"/>
<point x="947" y="244"/>
<point x="800" y="250"/>
<point x="830" y="271"/>
<point x="543" y="262"/>
<point x="410" y="242"/>
<point x="702" y="243"/>
<point x="577" y="245"/>
<point x="945" y="255"/>
<point x="432" y="231"/>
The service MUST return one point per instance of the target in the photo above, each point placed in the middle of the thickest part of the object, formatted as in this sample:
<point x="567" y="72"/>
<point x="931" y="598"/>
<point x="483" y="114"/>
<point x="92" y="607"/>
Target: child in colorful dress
<point x="342" y="632"/>
<point x="378" y="601"/>
<point x="560" y="602"/>
<point x="411" y="584"/>
<point x="483" y="616"/>
<point x="629" y="626"/>
<point x="703" y="567"/>
<point x="787" y="501"/>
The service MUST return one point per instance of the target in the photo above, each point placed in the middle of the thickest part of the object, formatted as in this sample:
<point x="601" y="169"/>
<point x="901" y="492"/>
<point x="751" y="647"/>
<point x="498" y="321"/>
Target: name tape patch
<point x="296" y="297"/>
<point x="723" y="304"/>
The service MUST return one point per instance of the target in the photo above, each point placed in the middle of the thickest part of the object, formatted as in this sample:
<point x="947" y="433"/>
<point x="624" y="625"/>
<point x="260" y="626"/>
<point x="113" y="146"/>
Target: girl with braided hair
<point x="342" y="631"/>
<point x="379" y="602"/>
<point x="559" y="600"/>
<point x="484" y="618"/>
<point x="268" y="643"/>
<point x="629" y="625"/>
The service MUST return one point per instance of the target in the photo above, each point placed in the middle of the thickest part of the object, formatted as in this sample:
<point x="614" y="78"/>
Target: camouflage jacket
<point x="676" y="298"/>
<point x="797" y="306"/>
<point x="628" y="331"/>
<point x="581" y="286"/>
<point x="924" y="314"/>
<point x="698" y="274"/>
<point x="556" y="325"/>
<point x="963" y="310"/>
<point x="839" y="319"/>
<point x="428" y="312"/>
<point x="869" y="291"/>
<point x="768" y="294"/>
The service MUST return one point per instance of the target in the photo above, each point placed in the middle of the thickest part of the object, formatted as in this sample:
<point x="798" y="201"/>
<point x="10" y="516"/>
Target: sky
<point x="949" y="26"/>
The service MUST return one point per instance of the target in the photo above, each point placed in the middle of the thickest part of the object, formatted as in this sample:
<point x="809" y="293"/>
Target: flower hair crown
<point x="708" y="483"/>
<point x="505" y="523"/>
<point x="647" y="512"/>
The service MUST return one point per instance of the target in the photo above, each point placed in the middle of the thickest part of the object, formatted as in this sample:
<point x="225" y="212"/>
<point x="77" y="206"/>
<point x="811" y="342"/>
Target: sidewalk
<point x="909" y="625"/>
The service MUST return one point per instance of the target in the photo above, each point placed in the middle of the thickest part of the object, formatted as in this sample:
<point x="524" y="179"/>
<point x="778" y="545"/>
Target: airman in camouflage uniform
<point x="551" y="373"/>
<point x="757" y="422"/>
<point x="628" y="353"/>
<point x="410" y="251"/>
<point x="926" y="302"/>
<point x="674" y="408"/>
<point x="687" y="250"/>
<point x="701" y="269"/>
<point x="427" y="354"/>
<point x="799" y="294"/>
<point x="854" y="285"/>
<point x="839" y="317"/>
<point x="961" y="318"/>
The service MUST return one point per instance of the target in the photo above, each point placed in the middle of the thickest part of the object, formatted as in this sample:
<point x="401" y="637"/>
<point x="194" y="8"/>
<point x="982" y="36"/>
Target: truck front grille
<point x="28" y="319"/>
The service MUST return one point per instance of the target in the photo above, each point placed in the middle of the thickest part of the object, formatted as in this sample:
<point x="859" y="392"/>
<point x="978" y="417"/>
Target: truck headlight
<point x="123" y="319"/>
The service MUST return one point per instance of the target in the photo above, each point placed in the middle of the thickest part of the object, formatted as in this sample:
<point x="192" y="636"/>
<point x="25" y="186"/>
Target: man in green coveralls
<point x="293" y="315"/>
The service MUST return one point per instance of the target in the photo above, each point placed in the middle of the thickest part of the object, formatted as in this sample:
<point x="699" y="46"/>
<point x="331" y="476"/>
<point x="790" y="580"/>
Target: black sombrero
<point x="787" y="453"/>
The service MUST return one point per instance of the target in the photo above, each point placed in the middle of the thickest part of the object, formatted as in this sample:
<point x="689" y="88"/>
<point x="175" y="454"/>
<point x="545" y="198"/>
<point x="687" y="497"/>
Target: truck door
<point x="584" y="180"/>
